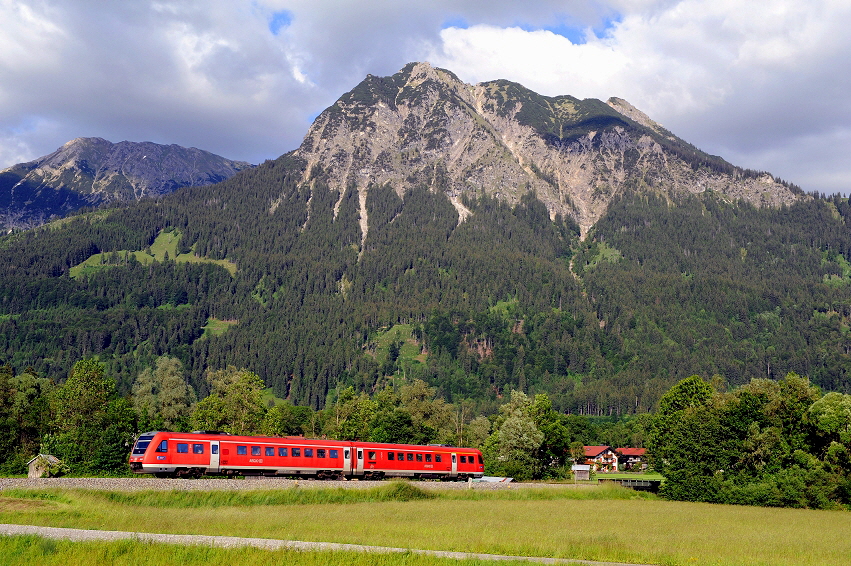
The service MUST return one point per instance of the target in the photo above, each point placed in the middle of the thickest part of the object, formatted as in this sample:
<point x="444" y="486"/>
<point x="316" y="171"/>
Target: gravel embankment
<point x="156" y="484"/>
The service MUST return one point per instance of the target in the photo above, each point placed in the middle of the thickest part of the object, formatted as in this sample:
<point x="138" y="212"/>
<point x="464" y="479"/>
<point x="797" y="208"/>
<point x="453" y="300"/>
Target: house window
<point x="197" y="448"/>
<point x="182" y="448"/>
<point x="282" y="452"/>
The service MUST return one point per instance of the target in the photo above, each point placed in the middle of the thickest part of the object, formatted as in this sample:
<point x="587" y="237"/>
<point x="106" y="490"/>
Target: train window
<point x="370" y="456"/>
<point x="255" y="450"/>
<point x="428" y="457"/>
<point x="410" y="456"/>
<point x="480" y="459"/>
<point x="270" y="451"/>
<point x="320" y="452"/>
<point x="419" y="457"/>
<point x="296" y="452"/>
<point x="360" y="454"/>
<point x="333" y="453"/>
<point x="308" y="452"/>
<point x="463" y="459"/>
<point x="214" y="449"/>
<point x="346" y="453"/>
<point x="197" y="448"/>
<point x="242" y="450"/>
<point x="400" y="456"/>
<point x="282" y="452"/>
<point x="163" y="447"/>
<point x="437" y="457"/>
<point x="182" y="448"/>
<point x="141" y="446"/>
<point x="390" y="455"/>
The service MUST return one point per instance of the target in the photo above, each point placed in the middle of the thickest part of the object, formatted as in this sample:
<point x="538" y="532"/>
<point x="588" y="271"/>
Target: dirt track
<point x="271" y="544"/>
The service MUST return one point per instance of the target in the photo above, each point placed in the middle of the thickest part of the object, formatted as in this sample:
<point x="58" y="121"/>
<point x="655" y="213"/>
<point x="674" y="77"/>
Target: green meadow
<point x="163" y="247"/>
<point x="605" y="523"/>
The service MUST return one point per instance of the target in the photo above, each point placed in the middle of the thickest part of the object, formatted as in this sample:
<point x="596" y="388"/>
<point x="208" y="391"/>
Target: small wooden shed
<point x="39" y="467"/>
<point x="581" y="471"/>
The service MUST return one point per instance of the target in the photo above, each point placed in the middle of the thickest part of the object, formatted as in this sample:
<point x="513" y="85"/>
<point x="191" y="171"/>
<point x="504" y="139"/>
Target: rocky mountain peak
<point x="93" y="171"/>
<point x="423" y="126"/>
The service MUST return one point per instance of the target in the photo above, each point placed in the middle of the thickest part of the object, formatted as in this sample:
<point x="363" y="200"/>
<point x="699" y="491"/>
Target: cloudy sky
<point x="766" y="85"/>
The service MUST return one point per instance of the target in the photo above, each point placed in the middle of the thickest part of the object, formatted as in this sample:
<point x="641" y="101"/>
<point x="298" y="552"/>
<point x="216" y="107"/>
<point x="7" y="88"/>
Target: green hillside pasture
<point x="410" y="350"/>
<point x="610" y="524"/>
<point x="217" y="327"/>
<point x="165" y="243"/>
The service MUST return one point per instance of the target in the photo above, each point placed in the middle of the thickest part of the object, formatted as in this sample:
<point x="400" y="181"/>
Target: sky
<point x="766" y="85"/>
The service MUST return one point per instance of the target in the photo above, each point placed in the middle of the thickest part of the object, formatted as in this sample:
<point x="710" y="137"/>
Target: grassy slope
<point x="594" y="524"/>
<point x="166" y="242"/>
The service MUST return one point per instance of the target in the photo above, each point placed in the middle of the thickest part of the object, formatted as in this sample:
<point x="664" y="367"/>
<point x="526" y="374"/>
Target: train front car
<point x="176" y="454"/>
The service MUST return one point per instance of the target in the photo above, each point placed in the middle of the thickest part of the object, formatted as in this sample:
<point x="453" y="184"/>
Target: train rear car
<point x="377" y="460"/>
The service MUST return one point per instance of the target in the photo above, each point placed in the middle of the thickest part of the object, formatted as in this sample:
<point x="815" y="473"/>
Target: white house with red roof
<point x="603" y="458"/>
<point x="632" y="458"/>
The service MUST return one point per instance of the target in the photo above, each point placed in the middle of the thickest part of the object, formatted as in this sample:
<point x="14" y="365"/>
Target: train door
<point x="454" y="473"/>
<point x="214" y="457"/>
<point x="347" y="461"/>
<point x="359" y="462"/>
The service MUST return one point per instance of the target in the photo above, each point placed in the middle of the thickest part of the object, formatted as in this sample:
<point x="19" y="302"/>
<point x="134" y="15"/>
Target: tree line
<point x="86" y="423"/>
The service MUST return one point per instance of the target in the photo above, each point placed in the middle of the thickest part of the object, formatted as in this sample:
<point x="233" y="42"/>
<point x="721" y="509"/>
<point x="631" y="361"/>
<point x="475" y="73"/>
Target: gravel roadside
<point x="156" y="484"/>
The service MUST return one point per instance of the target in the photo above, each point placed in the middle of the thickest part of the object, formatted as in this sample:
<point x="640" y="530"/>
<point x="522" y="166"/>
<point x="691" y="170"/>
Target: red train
<point x="193" y="454"/>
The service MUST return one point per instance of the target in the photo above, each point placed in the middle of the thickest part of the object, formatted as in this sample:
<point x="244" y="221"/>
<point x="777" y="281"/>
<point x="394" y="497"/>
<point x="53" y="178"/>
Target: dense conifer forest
<point x="506" y="299"/>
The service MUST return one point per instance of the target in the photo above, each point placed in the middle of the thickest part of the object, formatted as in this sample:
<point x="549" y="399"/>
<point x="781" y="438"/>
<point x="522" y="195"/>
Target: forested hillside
<point x="506" y="299"/>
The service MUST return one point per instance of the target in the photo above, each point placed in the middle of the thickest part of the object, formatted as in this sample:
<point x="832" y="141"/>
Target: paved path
<point x="270" y="544"/>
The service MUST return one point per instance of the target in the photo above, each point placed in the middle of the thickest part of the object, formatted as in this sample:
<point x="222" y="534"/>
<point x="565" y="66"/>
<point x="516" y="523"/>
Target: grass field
<point x="165" y="243"/>
<point x="29" y="550"/>
<point x="610" y="523"/>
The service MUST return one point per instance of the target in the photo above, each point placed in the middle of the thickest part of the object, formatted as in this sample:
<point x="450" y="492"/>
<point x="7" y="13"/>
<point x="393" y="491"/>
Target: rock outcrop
<point x="423" y="126"/>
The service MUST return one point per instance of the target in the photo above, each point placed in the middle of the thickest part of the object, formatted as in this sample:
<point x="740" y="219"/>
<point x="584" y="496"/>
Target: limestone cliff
<point x="425" y="126"/>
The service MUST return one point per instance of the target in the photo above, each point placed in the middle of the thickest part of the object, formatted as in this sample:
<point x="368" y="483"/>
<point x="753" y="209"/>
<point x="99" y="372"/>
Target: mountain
<point x="432" y="230"/>
<point x="499" y="138"/>
<point x="93" y="171"/>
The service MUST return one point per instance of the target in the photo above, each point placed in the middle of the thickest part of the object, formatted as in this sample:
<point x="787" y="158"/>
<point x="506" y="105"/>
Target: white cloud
<point x="752" y="79"/>
<point x="759" y="83"/>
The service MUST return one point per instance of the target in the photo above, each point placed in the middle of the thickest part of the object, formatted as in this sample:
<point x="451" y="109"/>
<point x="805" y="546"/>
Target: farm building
<point x="603" y="458"/>
<point x="39" y="467"/>
<point x="632" y="458"/>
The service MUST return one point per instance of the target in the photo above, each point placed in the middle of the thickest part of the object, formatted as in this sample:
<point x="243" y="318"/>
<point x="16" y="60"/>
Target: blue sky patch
<point x="460" y="23"/>
<point x="576" y="34"/>
<point x="279" y="21"/>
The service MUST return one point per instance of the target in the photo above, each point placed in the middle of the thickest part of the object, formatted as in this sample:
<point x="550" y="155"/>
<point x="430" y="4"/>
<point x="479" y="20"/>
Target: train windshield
<point x="142" y="443"/>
